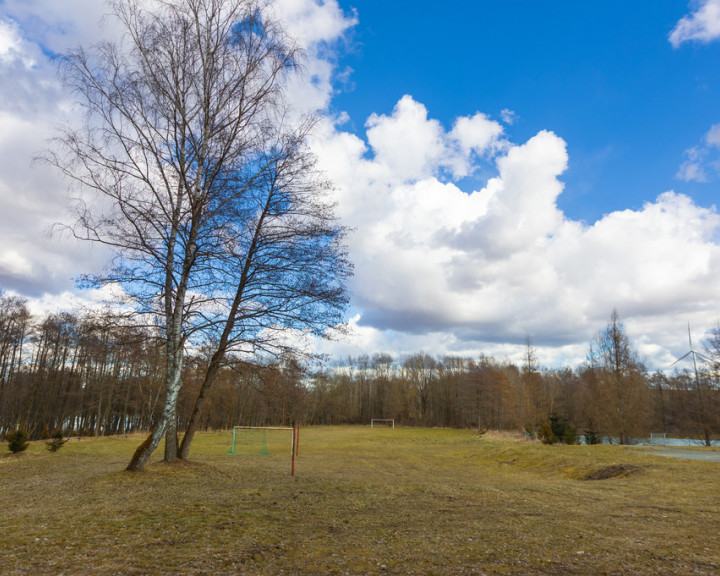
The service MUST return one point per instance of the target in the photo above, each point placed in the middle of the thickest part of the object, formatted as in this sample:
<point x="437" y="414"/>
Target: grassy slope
<point x="407" y="501"/>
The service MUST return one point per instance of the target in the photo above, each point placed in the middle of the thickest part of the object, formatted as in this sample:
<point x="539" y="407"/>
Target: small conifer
<point x="17" y="441"/>
<point x="57" y="441"/>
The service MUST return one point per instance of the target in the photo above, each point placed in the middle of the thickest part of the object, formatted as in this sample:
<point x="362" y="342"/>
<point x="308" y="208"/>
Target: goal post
<point x="658" y="438"/>
<point x="386" y="421"/>
<point x="254" y="440"/>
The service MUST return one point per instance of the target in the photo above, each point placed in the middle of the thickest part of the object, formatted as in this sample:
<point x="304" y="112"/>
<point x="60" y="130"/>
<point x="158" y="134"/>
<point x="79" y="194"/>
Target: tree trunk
<point x="171" y="440"/>
<point x="167" y="424"/>
<point x="197" y="410"/>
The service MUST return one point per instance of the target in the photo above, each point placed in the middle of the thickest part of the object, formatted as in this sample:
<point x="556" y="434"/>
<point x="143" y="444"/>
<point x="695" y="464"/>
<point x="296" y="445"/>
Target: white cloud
<point x="701" y="163"/>
<point x="407" y="145"/>
<point x="438" y="268"/>
<point x="9" y="40"/>
<point x="95" y="300"/>
<point x="33" y="199"/>
<point x="33" y="103"/>
<point x="712" y="138"/>
<point x="13" y="263"/>
<point x="702" y="25"/>
<point x="476" y="133"/>
<point x="314" y="23"/>
<point x="51" y="303"/>
<point x="316" y="26"/>
<point x="473" y="135"/>
<point x="60" y="26"/>
<point x="446" y="271"/>
<point x="508" y="116"/>
<point x="693" y="167"/>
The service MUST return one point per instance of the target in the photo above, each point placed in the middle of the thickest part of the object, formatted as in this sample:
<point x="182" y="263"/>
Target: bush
<point x="57" y="441"/>
<point x="570" y="435"/>
<point x="546" y="434"/>
<point x="556" y="429"/>
<point x="592" y="437"/>
<point x="17" y="441"/>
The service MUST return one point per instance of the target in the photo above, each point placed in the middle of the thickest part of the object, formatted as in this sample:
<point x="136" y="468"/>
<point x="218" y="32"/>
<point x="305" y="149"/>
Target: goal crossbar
<point x="389" y="421"/>
<point x="259" y="429"/>
<point x="262" y="428"/>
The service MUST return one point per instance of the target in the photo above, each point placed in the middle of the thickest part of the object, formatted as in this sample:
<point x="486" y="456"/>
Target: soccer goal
<point x="255" y="440"/>
<point x="383" y="422"/>
<point x="658" y="438"/>
<point x="260" y="439"/>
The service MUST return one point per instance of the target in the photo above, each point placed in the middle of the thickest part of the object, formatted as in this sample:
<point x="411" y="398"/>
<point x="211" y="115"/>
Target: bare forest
<point x="89" y="374"/>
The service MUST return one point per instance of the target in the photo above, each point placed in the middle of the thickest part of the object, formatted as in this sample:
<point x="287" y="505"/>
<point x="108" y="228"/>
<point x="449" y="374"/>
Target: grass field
<point x="404" y="501"/>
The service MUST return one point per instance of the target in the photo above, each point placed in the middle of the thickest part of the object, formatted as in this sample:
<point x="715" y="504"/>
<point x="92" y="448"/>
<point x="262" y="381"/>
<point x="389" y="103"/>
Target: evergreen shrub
<point x="17" y="441"/>
<point x="57" y="441"/>
<point x="557" y="428"/>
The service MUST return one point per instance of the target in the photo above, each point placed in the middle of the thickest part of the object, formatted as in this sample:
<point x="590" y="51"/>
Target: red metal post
<point x="292" y="447"/>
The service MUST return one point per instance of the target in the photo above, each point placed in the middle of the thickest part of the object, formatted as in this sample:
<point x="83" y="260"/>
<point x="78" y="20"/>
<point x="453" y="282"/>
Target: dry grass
<point x="408" y="501"/>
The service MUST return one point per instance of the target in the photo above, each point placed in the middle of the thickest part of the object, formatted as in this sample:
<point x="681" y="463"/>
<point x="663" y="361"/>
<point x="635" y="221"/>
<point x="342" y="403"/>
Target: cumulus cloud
<point x="59" y="26"/>
<point x="9" y="40"/>
<point x="476" y="135"/>
<point x="317" y="27"/>
<point x="33" y="103"/>
<point x="438" y="267"/>
<point x="702" y="25"/>
<point x="407" y="145"/>
<point x="479" y="271"/>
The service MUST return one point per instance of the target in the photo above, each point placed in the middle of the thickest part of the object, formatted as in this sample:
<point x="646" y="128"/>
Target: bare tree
<point x="185" y="120"/>
<point x="14" y="326"/>
<point x="421" y="371"/>
<point x="284" y="268"/>
<point x="535" y="405"/>
<point x="622" y="392"/>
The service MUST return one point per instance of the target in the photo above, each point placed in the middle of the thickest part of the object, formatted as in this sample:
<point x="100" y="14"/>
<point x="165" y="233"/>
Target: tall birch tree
<point x="185" y="118"/>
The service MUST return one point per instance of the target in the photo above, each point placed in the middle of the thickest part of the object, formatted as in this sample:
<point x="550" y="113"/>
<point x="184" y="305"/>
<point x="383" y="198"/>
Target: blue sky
<point x="601" y="74"/>
<point x="508" y="169"/>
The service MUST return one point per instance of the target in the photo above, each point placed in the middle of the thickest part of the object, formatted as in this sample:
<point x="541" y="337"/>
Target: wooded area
<point x="90" y="374"/>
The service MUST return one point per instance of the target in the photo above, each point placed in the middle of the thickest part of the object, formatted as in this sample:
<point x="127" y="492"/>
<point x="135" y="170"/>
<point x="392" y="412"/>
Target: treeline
<point x="94" y="374"/>
<point x="87" y="374"/>
<point x="482" y="393"/>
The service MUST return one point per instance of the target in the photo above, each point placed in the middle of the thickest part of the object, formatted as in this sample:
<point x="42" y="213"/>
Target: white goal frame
<point x="658" y="438"/>
<point x="391" y="420"/>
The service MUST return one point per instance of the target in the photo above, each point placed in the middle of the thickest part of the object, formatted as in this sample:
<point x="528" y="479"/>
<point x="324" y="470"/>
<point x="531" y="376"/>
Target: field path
<point x="684" y="453"/>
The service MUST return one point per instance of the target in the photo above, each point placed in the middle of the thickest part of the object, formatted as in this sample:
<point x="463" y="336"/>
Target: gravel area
<point x="685" y="453"/>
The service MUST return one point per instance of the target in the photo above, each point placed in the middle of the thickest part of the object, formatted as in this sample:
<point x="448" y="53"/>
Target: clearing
<point x="404" y="501"/>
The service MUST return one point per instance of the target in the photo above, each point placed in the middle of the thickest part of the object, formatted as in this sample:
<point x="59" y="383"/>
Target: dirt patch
<point x="614" y="471"/>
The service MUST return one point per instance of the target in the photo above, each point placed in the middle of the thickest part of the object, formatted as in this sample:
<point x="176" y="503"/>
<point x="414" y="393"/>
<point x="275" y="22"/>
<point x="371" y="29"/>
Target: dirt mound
<point x="614" y="471"/>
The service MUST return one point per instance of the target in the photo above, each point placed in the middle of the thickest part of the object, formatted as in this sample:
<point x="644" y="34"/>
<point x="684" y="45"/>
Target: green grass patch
<point x="382" y="501"/>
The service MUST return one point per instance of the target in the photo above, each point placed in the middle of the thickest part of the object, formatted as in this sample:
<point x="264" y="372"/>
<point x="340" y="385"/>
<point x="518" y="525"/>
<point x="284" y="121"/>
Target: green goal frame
<point x="264" y="450"/>
<point x="294" y="440"/>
